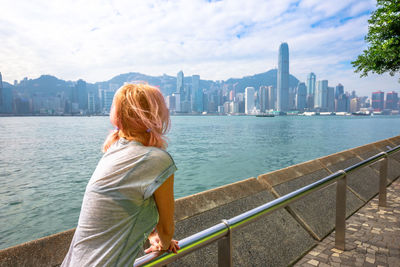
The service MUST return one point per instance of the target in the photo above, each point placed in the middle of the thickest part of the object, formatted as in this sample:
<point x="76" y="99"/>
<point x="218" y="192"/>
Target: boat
<point x="265" y="115"/>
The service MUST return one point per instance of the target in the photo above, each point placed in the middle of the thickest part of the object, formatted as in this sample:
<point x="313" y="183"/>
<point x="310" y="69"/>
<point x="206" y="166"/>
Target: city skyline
<point x="215" y="39"/>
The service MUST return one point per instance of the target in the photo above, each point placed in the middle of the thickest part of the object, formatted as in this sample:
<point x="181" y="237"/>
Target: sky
<point x="95" y="40"/>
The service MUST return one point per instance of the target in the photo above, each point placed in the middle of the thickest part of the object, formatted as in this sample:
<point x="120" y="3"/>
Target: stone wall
<point x="278" y="239"/>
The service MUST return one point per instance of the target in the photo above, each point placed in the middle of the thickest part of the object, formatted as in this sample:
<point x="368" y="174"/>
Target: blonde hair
<point x="139" y="112"/>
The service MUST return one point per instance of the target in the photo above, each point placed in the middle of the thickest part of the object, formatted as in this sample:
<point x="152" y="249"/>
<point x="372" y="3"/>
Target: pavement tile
<point x="372" y="237"/>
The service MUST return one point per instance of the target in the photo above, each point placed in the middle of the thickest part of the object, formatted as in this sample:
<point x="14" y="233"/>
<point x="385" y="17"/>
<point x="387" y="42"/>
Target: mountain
<point x="44" y="85"/>
<point x="266" y="78"/>
<point x="50" y="85"/>
<point x="7" y="85"/>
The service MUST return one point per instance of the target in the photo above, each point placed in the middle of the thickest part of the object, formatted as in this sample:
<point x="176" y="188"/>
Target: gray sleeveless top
<point x="118" y="210"/>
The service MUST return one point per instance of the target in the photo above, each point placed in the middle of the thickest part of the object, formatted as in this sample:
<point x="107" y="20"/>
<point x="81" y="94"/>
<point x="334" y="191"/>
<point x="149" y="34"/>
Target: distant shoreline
<point x="185" y="115"/>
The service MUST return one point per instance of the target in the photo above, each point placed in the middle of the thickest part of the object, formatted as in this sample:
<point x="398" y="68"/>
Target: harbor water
<point x="46" y="162"/>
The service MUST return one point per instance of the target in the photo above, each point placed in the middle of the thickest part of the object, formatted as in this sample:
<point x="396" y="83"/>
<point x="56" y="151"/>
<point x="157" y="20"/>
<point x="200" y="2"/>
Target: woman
<point x="130" y="194"/>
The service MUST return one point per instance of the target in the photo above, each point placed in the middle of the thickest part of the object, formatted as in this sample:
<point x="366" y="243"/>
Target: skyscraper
<point x="272" y="97"/>
<point x="248" y="100"/>
<point x="179" y="83"/>
<point x="392" y="100"/>
<point x="91" y="103"/>
<point x="378" y="100"/>
<point x="263" y="94"/>
<point x="301" y="96"/>
<point x="197" y="94"/>
<point x="339" y="90"/>
<point x="283" y="78"/>
<point x="331" y="99"/>
<point x="311" y="78"/>
<point x="82" y="94"/>
<point x="321" y="95"/>
<point x="341" y="103"/>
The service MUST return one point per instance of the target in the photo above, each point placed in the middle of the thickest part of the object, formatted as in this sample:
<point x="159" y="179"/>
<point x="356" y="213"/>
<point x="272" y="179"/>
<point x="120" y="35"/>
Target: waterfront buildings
<point x="178" y="105"/>
<point x="392" y="100"/>
<point x="378" y="101"/>
<point x="197" y="94"/>
<point x="179" y="83"/>
<point x="301" y="97"/>
<point x="339" y="90"/>
<point x="355" y="105"/>
<point x="321" y="95"/>
<point x="91" y="103"/>
<point x="263" y="95"/>
<point x="248" y="100"/>
<point x="311" y="79"/>
<point x="331" y="99"/>
<point x="108" y="98"/>
<point x="170" y="101"/>
<point x="341" y="104"/>
<point x="283" y="78"/>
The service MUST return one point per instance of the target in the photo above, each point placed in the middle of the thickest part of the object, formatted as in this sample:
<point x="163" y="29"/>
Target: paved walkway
<point x="372" y="237"/>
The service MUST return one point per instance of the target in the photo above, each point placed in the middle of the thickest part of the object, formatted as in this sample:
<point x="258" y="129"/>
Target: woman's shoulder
<point x="160" y="154"/>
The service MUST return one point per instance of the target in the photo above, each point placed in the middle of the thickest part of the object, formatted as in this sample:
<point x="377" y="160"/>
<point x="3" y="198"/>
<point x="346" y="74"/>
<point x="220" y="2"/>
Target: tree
<point x="383" y="52"/>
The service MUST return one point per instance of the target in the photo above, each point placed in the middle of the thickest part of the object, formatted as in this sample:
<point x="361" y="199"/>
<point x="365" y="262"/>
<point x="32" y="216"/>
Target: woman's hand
<point x="155" y="244"/>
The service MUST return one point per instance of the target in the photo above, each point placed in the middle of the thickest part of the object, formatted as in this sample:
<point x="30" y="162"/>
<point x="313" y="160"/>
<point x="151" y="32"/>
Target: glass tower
<point x="311" y="84"/>
<point x="283" y="78"/>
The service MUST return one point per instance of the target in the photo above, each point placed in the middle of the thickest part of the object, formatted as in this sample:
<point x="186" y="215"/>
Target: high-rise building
<point x="171" y="102"/>
<point x="321" y="95"/>
<point x="197" y="94"/>
<point x="248" y="100"/>
<point x="6" y="98"/>
<point x="263" y="94"/>
<point x="301" y="96"/>
<point x="91" y="104"/>
<point x="378" y="100"/>
<point x="179" y="83"/>
<point x="341" y="103"/>
<point x="178" y="104"/>
<point x="108" y="99"/>
<point x="272" y="97"/>
<point x="283" y="78"/>
<point x="355" y="105"/>
<point x="339" y="90"/>
<point x="311" y="78"/>
<point x="392" y="100"/>
<point x="331" y="99"/>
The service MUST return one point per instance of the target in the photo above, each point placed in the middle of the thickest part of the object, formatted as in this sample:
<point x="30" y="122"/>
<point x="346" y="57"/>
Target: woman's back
<point x="118" y="210"/>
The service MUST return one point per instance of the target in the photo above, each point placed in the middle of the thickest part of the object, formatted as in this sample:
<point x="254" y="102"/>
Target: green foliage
<point x="383" y="38"/>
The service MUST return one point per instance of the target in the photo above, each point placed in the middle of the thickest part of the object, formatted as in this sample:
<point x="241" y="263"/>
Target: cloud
<point x="96" y="40"/>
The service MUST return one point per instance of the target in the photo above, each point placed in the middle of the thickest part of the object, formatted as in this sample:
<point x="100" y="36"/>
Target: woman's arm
<point x="164" y="197"/>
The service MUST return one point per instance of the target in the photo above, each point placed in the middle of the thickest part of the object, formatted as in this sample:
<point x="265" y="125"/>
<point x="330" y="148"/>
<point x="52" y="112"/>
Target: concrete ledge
<point x="366" y="151"/>
<point x="46" y="251"/>
<point x="395" y="140"/>
<point x="289" y="173"/>
<point x="194" y="204"/>
<point x="275" y="240"/>
<point x="363" y="182"/>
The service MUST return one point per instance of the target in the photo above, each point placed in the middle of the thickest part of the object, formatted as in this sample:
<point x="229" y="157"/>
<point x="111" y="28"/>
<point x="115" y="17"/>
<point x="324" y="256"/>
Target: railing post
<point x="225" y="248"/>
<point x="382" y="181"/>
<point x="340" y="212"/>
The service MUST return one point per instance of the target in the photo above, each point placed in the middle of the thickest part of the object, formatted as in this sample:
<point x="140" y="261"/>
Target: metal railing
<point x="222" y="232"/>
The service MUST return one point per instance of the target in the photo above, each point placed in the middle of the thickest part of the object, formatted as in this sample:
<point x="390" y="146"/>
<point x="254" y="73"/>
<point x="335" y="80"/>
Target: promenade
<point x="372" y="237"/>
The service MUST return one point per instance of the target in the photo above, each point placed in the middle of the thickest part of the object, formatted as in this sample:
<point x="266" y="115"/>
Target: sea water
<point x="46" y="162"/>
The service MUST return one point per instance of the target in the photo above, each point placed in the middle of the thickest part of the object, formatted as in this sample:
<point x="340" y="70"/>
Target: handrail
<point x="222" y="230"/>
